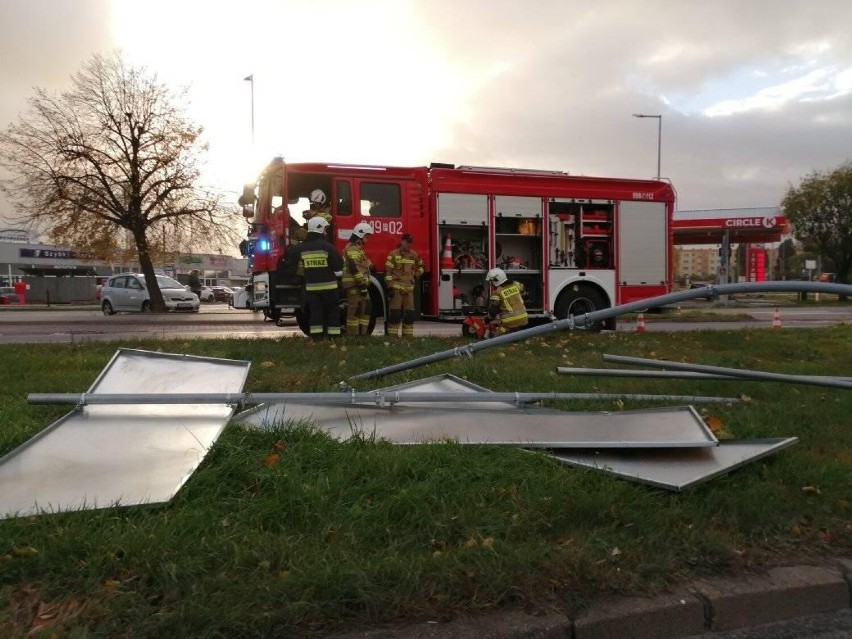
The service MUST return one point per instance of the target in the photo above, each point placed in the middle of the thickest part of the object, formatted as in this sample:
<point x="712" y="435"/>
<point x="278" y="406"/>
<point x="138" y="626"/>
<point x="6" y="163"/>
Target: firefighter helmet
<point x="496" y="276"/>
<point x="318" y="197"/>
<point x="317" y="224"/>
<point x="362" y="229"/>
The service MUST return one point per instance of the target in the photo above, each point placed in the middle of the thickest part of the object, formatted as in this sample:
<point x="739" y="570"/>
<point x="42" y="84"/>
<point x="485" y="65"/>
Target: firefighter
<point x="506" y="309"/>
<point x="319" y="205"/>
<point x="402" y="267"/>
<point x="321" y="266"/>
<point x="356" y="277"/>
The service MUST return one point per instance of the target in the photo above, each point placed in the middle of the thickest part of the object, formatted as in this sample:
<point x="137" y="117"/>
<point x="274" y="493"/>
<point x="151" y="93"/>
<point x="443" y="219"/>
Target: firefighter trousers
<point x="401" y="308"/>
<point x="357" y="311"/>
<point x="323" y="313"/>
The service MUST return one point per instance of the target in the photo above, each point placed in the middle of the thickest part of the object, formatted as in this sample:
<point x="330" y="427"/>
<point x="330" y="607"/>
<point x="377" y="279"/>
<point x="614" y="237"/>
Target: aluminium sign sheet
<point x="121" y="455"/>
<point x="529" y="427"/>
<point x="679" y="469"/>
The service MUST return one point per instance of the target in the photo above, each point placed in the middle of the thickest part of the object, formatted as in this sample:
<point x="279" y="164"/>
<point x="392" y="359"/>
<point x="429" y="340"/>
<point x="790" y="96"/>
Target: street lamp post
<point x="659" y="135"/>
<point x="250" y="78"/>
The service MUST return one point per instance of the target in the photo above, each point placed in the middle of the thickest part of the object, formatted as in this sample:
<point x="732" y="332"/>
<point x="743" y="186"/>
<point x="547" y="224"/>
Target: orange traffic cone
<point x="447" y="254"/>
<point x="776" y="319"/>
<point x="640" y="323"/>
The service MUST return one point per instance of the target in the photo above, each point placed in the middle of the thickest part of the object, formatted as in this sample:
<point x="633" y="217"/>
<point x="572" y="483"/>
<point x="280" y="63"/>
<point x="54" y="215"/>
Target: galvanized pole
<point x="365" y="399"/>
<point x="641" y="305"/>
<point x="734" y="372"/>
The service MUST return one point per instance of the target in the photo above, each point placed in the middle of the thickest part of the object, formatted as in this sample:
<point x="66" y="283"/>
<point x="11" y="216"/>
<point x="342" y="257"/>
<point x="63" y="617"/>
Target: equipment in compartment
<point x="594" y="253"/>
<point x="581" y="234"/>
<point x="529" y="227"/>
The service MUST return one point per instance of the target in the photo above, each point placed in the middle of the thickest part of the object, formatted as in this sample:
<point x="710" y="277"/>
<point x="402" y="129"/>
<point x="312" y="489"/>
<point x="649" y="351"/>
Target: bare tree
<point x="114" y="155"/>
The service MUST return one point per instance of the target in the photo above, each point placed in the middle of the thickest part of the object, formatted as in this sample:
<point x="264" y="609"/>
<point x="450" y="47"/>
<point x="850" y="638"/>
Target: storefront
<point x="23" y="260"/>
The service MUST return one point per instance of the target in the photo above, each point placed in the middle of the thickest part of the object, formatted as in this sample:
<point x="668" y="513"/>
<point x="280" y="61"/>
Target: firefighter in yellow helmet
<point x="506" y="309"/>
<point x="356" y="278"/>
<point x="402" y="268"/>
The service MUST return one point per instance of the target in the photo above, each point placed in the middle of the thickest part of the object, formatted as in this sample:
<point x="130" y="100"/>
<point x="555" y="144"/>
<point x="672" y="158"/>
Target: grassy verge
<point x="328" y="534"/>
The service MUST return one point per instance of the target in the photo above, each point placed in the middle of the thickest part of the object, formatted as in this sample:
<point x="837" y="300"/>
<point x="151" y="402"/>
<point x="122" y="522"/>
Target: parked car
<point x="127" y="292"/>
<point x="707" y="297"/>
<point x="240" y="298"/>
<point x="8" y="295"/>
<point x="207" y="294"/>
<point x="222" y="293"/>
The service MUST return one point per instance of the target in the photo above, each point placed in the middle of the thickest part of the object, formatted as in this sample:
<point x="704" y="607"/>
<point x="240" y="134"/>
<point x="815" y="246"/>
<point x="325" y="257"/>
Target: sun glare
<point x="333" y="81"/>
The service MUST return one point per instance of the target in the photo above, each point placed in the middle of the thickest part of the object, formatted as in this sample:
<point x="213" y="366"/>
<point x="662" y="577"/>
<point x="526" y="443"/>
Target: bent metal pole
<point x="640" y="305"/>
<point x="734" y="372"/>
<point x="362" y="399"/>
<point x="663" y="374"/>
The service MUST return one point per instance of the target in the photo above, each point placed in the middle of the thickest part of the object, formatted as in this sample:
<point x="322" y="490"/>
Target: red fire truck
<point x="576" y="243"/>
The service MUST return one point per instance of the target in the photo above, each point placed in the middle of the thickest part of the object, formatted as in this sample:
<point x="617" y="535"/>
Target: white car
<point x="207" y="294"/>
<point x="127" y="292"/>
<point x="240" y="298"/>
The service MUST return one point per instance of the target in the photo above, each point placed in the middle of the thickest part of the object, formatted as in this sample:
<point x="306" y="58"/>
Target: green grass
<point x="344" y="534"/>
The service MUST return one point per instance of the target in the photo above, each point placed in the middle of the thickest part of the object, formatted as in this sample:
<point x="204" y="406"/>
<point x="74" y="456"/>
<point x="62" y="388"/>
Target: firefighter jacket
<point x="507" y="304"/>
<point x="402" y="268"/>
<point x="318" y="262"/>
<point x="356" y="266"/>
<point x="323" y="213"/>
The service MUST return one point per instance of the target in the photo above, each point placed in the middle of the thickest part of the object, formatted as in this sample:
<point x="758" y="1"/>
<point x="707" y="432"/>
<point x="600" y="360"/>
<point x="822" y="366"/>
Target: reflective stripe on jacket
<point x="356" y="266"/>
<point x="507" y="304"/>
<point x="319" y="262"/>
<point x="402" y="268"/>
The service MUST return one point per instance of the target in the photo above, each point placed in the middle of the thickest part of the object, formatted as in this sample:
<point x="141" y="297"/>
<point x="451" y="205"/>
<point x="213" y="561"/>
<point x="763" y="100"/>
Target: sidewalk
<point x="695" y="609"/>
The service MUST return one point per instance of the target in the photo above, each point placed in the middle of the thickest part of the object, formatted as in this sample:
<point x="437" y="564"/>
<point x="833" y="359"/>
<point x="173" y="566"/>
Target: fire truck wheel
<point x="377" y="306"/>
<point x="302" y="321"/>
<point x="272" y="314"/>
<point x="577" y="300"/>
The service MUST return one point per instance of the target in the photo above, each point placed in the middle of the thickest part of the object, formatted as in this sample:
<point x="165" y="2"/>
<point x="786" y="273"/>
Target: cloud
<point x="550" y="84"/>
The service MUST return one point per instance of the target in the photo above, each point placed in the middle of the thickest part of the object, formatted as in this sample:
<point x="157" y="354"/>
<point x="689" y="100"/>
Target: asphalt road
<point x="830" y="625"/>
<point x="59" y="325"/>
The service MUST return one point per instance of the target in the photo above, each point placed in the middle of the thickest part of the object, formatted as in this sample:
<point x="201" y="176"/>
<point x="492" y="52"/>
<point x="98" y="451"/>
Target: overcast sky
<point x="754" y="95"/>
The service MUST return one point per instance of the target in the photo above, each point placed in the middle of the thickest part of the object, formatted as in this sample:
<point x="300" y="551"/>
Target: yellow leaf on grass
<point x="811" y="490"/>
<point x="24" y="551"/>
<point x="271" y="459"/>
<point x="111" y="584"/>
<point x="714" y="423"/>
<point x="470" y="543"/>
<point x="267" y="364"/>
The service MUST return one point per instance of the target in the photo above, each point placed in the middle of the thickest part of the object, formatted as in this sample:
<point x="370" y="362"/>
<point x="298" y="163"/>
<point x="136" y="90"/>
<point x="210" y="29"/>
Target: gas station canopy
<point x="744" y="226"/>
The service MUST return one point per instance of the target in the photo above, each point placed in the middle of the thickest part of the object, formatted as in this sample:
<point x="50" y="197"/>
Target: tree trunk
<point x="158" y="305"/>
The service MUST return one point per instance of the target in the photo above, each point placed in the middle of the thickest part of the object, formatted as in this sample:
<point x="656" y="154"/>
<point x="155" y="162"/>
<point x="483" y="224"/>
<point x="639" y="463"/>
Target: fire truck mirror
<point x="248" y="197"/>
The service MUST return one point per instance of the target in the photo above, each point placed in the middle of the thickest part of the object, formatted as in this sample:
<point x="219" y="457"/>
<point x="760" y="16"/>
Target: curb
<point x="701" y="607"/>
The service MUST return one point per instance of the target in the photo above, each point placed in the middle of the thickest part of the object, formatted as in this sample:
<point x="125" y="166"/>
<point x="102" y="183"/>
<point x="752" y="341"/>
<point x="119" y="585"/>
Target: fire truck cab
<point x="577" y="244"/>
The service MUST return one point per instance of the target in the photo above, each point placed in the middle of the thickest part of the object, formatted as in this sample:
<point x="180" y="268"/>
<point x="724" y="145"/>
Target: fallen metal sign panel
<point x="445" y="383"/>
<point x="102" y="456"/>
<point x="528" y="427"/>
<point x="676" y="469"/>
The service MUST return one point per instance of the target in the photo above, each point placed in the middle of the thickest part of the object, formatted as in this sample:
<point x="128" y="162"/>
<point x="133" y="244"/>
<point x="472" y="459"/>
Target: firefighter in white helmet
<point x="320" y="265"/>
<point x="319" y="205"/>
<point x="356" y="278"/>
<point x="506" y="309"/>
